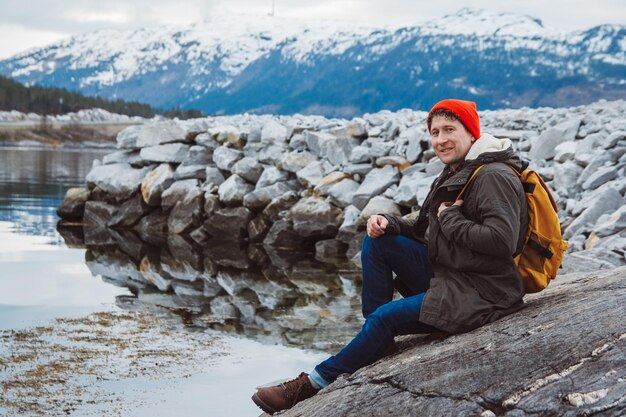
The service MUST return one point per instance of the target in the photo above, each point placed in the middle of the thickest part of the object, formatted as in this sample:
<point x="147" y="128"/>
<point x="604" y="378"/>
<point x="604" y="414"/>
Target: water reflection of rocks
<point x="259" y="292"/>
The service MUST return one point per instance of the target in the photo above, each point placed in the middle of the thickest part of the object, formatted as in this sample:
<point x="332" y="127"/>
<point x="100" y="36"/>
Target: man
<point x="454" y="264"/>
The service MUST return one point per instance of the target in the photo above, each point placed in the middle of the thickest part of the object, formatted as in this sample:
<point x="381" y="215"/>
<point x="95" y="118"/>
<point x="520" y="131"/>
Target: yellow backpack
<point x="544" y="247"/>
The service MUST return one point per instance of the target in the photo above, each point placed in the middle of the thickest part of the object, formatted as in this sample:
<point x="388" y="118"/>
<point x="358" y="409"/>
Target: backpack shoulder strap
<point x="469" y="181"/>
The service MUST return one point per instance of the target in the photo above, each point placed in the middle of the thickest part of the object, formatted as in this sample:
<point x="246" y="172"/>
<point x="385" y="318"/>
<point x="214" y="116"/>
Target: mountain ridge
<point x="270" y="64"/>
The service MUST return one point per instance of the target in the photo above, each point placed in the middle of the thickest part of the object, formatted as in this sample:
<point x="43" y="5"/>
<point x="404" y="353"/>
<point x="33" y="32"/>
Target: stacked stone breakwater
<point x="307" y="182"/>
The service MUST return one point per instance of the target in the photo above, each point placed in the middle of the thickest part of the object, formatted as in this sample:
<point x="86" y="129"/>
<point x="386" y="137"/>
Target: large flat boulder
<point x="119" y="180"/>
<point x="151" y="134"/>
<point x="552" y="358"/>
<point x="315" y="217"/>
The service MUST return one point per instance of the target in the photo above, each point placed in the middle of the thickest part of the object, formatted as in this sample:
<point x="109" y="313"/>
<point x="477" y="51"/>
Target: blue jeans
<point x="384" y="318"/>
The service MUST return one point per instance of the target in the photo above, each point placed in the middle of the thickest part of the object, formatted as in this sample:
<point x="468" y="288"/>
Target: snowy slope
<point x="269" y="64"/>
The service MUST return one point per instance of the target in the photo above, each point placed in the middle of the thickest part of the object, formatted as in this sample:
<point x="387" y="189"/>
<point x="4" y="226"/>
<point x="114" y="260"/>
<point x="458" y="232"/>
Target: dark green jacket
<point x="471" y="247"/>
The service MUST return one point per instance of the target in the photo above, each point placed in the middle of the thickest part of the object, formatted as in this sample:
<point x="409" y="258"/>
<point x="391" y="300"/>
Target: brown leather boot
<point x="285" y="395"/>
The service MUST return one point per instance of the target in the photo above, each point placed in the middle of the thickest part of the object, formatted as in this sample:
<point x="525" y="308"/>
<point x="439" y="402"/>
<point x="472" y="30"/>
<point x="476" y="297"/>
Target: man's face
<point x="451" y="141"/>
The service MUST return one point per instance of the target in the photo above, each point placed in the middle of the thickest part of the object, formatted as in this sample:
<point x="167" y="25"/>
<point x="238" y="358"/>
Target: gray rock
<point x="294" y="161"/>
<point x="271" y="153"/>
<point x="360" y="154"/>
<point x="314" y="217"/>
<point x="213" y="176"/>
<point x="566" y="178"/>
<point x="119" y="180"/>
<point x="357" y="169"/>
<point x="273" y="132"/>
<point x="311" y="175"/>
<point x="198" y="155"/>
<point x="357" y="129"/>
<point x="208" y="141"/>
<point x="414" y="145"/>
<point x="374" y="183"/>
<point x="171" y="152"/>
<point x="328" y="181"/>
<point x="226" y="157"/>
<point x="150" y="134"/>
<point x="187" y="213"/>
<point x="342" y="192"/>
<point x="565" y="151"/>
<point x="406" y="195"/>
<point x="607" y="201"/>
<point x="122" y="157"/>
<point x="379" y="205"/>
<point x="157" y="181"/>
<point x="601" y="176"/>
<point x="598" y="161"/>
<point x="98" y="213"/>
<point x="325" y="145"/>
<point x="233" y="190"/>
<point x="612" y="224"/>
<point x="374" y="131"/>
<point x="229" y="223"/>
<point x="350" y="225"/>
<point x="178" y="191"/>
<point x="271" y="175"/>
<point x="282" y="235"/>
<point x="152" y="227"/>
<point x="585" y="261"/>
<point x="190" y="171"/>
<point x="279" y="207"/>
<point x="298" y="142"/>
<point x="129" y="213"/>
<point x="73" y="205"/>
<point x="211" y="203"/>
<point x="127" y="138"/>
<point x="258" y="228"/>
<point x="227" y="134"/>
<point x="543" y="147"/>
<point x="256" y="200"/>
<point x="434" y="167"/>
<point x="537" y="380"/>
<point x="613" y="139"/>
<point x="248" y="168"/>
<point x="379" y="148"/>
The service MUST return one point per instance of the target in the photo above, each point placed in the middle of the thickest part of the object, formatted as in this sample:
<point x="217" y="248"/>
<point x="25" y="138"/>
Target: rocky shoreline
<point x="93" y="128"/>
<point x="309" y="183"/>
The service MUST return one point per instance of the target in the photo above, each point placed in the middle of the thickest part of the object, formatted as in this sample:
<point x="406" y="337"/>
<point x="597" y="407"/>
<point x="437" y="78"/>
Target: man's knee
<point x="371" y="245"/>
<point x="383" y="316"/>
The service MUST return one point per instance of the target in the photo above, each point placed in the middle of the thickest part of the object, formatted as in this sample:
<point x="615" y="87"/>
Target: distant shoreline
<point x="60" y="135"/>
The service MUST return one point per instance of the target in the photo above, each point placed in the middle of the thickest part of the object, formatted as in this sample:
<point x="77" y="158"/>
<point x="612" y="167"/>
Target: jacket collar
<point x="490" y="151"/>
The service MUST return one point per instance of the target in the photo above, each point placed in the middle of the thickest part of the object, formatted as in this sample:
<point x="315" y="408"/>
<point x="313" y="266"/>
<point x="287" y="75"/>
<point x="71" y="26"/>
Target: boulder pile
<point x="304" y="182"/>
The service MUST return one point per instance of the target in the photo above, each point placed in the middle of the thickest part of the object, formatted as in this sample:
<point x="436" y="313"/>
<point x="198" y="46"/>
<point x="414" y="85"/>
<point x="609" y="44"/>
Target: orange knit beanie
<point x="464" y="110"/>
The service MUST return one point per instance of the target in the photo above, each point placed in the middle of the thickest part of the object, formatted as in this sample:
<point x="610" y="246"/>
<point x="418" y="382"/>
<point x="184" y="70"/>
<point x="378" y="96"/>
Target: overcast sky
<point x="35" y="23"/>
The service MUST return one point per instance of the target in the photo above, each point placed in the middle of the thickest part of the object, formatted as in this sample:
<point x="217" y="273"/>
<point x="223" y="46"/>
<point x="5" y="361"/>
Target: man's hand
<point x="447" y="204"/>
<point x="376" y="225"/>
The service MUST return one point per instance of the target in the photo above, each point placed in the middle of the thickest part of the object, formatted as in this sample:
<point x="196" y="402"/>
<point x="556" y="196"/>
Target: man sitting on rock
<point x="454" y="264"/>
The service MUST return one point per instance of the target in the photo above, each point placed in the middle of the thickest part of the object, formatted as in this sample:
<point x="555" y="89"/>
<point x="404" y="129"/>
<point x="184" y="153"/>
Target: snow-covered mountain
<point x="234" y="64"/>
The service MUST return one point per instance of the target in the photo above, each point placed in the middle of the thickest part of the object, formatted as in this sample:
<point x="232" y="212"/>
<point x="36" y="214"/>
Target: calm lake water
<point x="279" y="314"/>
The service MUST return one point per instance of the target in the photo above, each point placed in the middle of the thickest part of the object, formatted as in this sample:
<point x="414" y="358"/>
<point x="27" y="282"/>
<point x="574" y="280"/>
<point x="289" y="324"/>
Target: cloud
<point x="32" y="23"/>
<point x="16" y="38"/>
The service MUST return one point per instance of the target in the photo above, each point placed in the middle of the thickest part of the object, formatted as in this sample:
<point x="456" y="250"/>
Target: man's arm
<point x="496" y="230"/>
